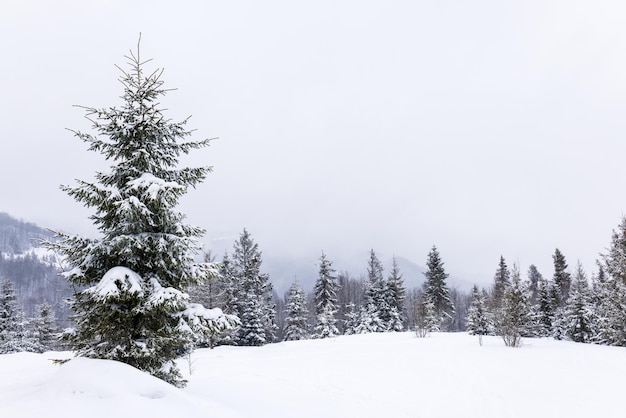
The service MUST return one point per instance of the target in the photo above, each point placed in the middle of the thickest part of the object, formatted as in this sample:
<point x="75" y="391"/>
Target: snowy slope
<point x="374" y="375"/>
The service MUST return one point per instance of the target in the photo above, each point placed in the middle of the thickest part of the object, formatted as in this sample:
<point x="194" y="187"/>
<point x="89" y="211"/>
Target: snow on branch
<point x="117" y="280"/>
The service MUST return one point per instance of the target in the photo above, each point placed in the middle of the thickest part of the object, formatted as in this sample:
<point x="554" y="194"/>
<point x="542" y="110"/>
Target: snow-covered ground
<point x="374" y="375"/>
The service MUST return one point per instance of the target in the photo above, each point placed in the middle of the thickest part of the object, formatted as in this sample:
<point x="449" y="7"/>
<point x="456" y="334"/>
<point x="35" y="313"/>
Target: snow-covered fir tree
<point x="611" y="312"/>
<point x="253" y="294"/>
<point x="395" y="294"/>
<point x="515" y="319"/>
<point x="296" y="314"/>
<point x="374" y="309"/>
<point x="435" y="289"/>
<point x="230" y="286"/>
<point x="579" y="323"/>
<point x="131" y="304"/>
<point x="534" y="277"/>
<point x="14" y="335"/>
<point x="325" y="296"/>
<point x="351" y="319"/>
<point x="545" y="309"/>
<point x="610" y="291"/>
<point x="501" y="281"/>
<point x="44" y="327"/>
<point x="477" y="318"/>
<point x="562" y="278"/>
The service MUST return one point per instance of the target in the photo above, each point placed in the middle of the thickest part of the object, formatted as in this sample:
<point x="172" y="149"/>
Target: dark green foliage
<point x="501" y="282"/>
<point x="534" y="277"/>
<point x="435" y="289"/>
<point x="132" y="306"/>
<point x="562" y="279"/>
<point x="395" y="294"/>
<point x="325" y="297"/>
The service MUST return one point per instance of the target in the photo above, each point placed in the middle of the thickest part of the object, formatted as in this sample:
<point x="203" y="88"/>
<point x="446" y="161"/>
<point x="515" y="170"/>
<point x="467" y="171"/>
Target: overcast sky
<point x="486" y="128"/>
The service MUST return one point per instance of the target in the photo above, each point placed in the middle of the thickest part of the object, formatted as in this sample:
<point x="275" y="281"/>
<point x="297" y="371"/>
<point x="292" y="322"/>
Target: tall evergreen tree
<point x="325" y="295"/>
<point x="534" y="277"/>
<point x="10" y="327"/>
<point x="562" y="278"/>
<point x="501" y="282"/>
<point x="254" y="294"/>
<point x="374" y="310"/>
<point x="546" y="308"/>
<point x="395" y="295"/>
<point x="516" y="318"/>
<point x="610" y="291"/>
<point x="477" y="319"/>
<point x="579" y="324"/>
<point x="296" y="314"/>
<point x="14" y="336"/>
<point x="132" y="305"/>
<point x="435" y="288"/>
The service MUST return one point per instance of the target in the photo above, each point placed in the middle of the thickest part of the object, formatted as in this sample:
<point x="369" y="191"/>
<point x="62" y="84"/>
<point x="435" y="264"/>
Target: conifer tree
<point x="351" y="319"/>
<point x="534" y="277"/>
<point x="435" y="288"/>
<point x="254" y="294"/>
<point x="395" y="295"/>
<point x="131" y="304"/>
<point x="325" y="296"/>
<point x="296" y="314"/>
<point x="477" y="322"/>
<point x="229" y="299"/>
<point x="502" y="281"/>
<point x="44" y="328"/>
<point x="9" y="320"/>
<point x="14" y="336"/>
<point x="610" y="291"/>
<point x="374" y="306"/>
<point x="516" y="315"/>
<point x="562" y="279"/>
<point x="611" y="312"/>
<point x="579" y="324"/>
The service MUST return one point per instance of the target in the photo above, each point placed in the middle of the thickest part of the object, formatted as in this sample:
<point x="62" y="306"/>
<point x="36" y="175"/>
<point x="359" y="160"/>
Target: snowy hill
<point x="373" y="375"/>
<point x="32" y="268"/>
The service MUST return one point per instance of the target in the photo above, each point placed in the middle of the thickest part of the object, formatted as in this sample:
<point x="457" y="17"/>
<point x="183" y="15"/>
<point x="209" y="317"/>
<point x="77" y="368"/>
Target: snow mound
<point x="86" y="387"/>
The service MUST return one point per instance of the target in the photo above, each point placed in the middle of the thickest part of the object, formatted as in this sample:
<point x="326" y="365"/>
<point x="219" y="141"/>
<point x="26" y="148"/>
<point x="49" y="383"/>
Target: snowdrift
<point x="373" y="375"/>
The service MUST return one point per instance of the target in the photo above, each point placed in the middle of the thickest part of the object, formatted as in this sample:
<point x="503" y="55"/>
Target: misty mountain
<point x="16" y="236"/>
<point x="31" y="268"/>
<point x="283" y="270"/>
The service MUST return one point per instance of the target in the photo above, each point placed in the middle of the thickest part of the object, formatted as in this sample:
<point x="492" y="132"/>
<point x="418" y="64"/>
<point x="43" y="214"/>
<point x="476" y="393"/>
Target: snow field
<point x="371" y="375"/>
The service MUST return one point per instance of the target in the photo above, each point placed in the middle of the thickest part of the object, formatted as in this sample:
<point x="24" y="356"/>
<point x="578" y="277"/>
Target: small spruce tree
<point x="44" y="327"/>
<point x="516" y="315"/>
<point x="395" y="295"/>
<point x="325" y="296"/>
<point x="296" y="314"/>
<point x="580" y="320"/>
<point x="562" y="279"/>
<point x="435" y="289"/>
<point x="252" y="294"/>
<point x="477" y="322"/>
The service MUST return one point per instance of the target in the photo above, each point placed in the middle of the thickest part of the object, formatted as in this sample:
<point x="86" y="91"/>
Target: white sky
<point x="484" y="127"/>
